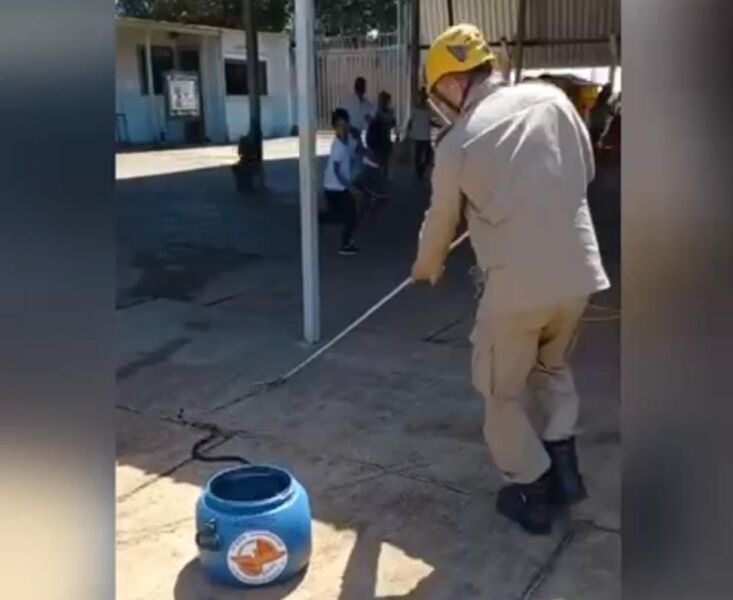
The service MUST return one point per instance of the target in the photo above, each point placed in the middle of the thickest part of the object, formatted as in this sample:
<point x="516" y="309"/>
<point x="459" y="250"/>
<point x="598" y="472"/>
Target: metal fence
<point x="382" y="61"/>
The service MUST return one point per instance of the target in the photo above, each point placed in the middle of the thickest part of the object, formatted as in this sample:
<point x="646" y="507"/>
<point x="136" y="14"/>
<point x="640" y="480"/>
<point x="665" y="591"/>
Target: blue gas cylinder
<point x="253" y="526"/>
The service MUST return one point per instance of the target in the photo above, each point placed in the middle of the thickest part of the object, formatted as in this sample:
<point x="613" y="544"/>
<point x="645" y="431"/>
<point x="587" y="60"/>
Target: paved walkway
<point x="384" y="430"/>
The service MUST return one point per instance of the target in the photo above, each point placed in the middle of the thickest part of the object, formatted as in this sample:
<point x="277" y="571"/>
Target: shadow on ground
<point x="384" y="430"/>
<point x="191" y="580"/>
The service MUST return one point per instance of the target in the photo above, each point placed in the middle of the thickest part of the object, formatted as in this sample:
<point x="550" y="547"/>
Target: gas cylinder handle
<point x="207" y="538"/>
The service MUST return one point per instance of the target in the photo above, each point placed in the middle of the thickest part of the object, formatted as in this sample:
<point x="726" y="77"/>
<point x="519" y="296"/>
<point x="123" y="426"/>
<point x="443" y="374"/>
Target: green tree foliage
<point x="354" y="17"/>
<point x="272" y="15"/>
<point x="334" y="17"/>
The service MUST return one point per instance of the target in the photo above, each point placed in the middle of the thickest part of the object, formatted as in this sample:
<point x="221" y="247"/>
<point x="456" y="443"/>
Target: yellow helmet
<point x="457" y="50"/>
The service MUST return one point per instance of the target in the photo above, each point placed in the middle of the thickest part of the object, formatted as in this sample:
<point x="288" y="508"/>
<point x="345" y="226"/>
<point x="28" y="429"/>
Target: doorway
<point x="193" y="128"/>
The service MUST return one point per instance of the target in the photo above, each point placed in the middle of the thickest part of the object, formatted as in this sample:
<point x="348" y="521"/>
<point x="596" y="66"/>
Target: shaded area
<point x="151" y="359"/>
<point x="183" y="270"/>
<point x="604" y="197"/>
<point x="384" y="430"/>
<point x="191" y="581"/>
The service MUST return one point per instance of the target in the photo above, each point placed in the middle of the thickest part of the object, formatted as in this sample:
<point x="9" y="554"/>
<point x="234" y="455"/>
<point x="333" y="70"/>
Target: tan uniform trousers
<point x="518" y="350"/>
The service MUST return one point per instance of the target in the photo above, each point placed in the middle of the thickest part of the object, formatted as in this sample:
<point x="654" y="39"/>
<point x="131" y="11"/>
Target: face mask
<point x="446" y="109"/>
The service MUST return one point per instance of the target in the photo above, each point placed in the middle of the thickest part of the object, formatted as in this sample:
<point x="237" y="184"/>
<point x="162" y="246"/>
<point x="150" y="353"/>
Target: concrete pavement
<point x="384" y="430"/>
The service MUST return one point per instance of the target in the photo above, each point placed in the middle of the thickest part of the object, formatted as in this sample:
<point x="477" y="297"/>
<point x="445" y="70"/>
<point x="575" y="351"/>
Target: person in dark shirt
<point x="601" y="114"/>
<point x="379" y="132"/>
<point x="609" y="142"/>
<point x="372" y="179"/>
<point x="420" y="128"/>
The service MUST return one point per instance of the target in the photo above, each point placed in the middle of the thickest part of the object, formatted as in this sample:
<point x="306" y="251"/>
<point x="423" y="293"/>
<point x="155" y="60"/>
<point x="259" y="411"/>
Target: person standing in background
<point x="380" y="130"/>
<point x="372" y="177"/>
<point x="601" y="114"/>
<point x="361" y="112"/>
<point x="360" y="108"/>
<point x="420" y="128"/>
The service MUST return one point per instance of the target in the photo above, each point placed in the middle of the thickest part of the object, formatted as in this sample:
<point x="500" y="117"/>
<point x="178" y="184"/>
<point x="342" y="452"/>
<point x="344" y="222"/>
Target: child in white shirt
<point x="338" y="180"/>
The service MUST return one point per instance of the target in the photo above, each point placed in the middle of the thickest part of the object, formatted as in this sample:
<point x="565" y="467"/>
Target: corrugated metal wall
<point x="556" y="21"/>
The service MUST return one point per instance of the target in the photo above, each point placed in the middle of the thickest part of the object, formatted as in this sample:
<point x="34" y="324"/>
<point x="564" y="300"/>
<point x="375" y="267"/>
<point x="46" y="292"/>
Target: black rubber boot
<point x="565" y="482"/>
<point x="527" y="505"/>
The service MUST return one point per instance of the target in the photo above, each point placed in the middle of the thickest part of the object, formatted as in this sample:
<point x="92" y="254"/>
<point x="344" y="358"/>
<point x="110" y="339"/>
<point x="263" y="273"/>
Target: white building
<point x="220" y="59"/>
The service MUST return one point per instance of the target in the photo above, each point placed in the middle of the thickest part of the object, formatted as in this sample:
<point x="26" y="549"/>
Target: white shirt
<point x="360" y="111"/>
<point x="420" y="126"/>
<point x="343" y="154"/>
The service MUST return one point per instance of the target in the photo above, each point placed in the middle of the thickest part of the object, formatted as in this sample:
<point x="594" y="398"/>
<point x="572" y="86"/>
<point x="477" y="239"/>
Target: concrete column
<point x="152" y="100"/>
<point x="221" y="90"/>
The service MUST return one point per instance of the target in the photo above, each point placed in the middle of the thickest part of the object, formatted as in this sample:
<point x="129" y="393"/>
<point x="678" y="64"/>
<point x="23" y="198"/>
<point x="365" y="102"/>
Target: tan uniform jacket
<point x="518" y="161"/>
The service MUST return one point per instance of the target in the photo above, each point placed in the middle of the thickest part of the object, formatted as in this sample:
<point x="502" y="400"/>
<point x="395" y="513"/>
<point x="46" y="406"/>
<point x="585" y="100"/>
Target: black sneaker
<point x="349" y="250"/>
<point x="565" y="482"/>
<point x="527" y="505"/>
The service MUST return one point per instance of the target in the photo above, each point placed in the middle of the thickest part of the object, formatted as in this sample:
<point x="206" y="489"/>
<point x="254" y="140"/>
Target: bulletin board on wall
<point x="182" y="95"/>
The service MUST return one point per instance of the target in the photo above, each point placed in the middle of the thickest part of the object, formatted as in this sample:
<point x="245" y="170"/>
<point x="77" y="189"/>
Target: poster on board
<point x="182" y="94"/>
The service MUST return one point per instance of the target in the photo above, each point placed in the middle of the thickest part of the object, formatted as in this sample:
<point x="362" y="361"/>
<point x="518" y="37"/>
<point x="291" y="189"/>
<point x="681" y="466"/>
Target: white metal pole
<point x="521" y="30"/>
<point x="151" y="87"/>
<point x="306" y="77"/>
<point x="613" y="42"/>
<point x="506" y="61"/>
<point x="415" y="28"/>
<point x="292" y="86"/>
<point x="398" y="111"/>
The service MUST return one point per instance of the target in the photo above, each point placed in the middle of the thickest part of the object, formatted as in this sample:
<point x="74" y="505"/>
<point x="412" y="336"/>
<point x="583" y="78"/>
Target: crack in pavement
<point x="261" y="387"/>
<point x="401" y="471"/>
<point x="134" y="537"/>
<point x="595" y="526"/>
<point x="432" y="337"/>
<point x="134" y="303"/>
<point x="529" y="592"/>
<point x="548" y="566"/>
<point x="384" y="471"/>
<point x="440" y="484"/>
<point x="170" y="471"/>
<point x="150" y="359"/>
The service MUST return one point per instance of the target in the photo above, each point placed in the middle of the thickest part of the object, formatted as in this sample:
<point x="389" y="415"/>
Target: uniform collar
<point x="481" y="90"/>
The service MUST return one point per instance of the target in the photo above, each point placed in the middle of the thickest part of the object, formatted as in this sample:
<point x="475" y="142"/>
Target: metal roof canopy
<point x="555" y="33"/>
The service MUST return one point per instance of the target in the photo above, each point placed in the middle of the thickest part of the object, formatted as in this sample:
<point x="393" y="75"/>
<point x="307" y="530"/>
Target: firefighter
<point x="516" y="162"/>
